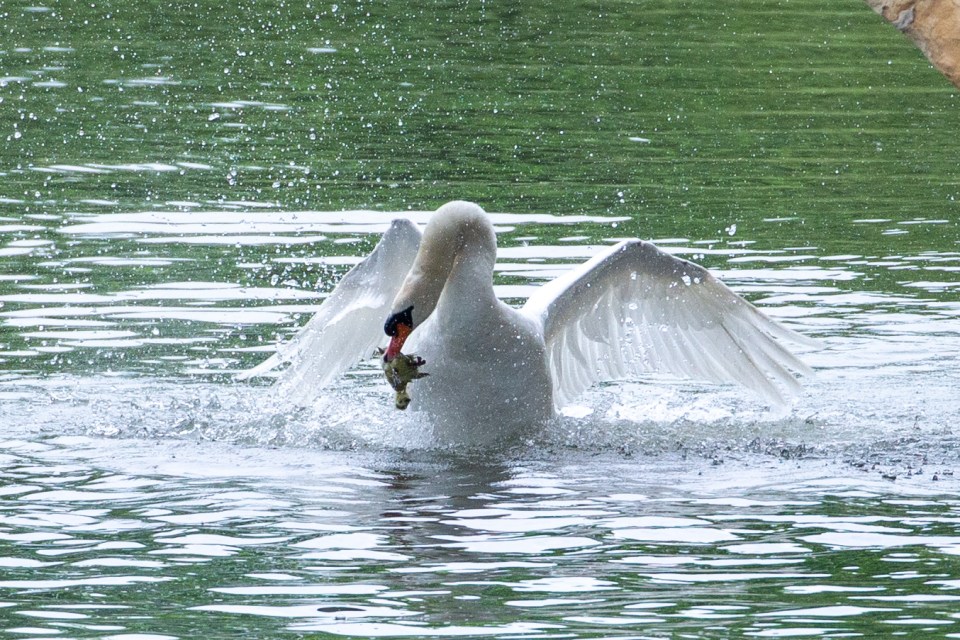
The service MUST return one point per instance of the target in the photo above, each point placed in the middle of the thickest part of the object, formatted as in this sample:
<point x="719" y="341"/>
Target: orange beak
<point x="396" y="342"/>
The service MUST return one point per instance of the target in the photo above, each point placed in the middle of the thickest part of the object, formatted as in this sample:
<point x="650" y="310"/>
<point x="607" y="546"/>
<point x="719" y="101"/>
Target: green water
<point x="171" y="182"/>
<point x="760" y="110"/>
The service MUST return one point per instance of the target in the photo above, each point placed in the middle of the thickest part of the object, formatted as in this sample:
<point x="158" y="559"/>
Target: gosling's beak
<point x="396" y="342"/>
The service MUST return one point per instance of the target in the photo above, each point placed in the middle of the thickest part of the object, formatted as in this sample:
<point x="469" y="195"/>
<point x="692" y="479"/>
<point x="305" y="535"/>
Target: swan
<point x="495" y="369"/>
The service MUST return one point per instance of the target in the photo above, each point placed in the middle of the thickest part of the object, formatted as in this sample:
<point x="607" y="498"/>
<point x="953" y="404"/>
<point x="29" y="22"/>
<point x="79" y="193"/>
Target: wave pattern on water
<point x="356" y="546"/>
<point x="121" y="267"/>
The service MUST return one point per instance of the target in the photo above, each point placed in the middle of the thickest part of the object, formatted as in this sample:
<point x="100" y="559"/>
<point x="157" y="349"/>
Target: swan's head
<point x="456" y="229"/>
<point x="398" y="326"/>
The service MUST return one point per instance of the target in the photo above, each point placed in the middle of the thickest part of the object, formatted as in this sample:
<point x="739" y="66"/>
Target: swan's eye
<point x="405" y="317"/>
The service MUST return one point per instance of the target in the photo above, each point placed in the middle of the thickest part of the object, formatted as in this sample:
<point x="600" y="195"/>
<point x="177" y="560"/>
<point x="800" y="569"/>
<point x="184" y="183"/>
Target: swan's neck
<point x="455" y="261"/>
<point x="469" y="285"/>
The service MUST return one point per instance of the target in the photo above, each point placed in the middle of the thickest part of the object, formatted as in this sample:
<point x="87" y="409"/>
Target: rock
<point x="933" y="25"/>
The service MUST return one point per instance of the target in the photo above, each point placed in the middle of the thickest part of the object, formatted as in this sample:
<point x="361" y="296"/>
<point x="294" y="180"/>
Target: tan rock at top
<point x="933" y="25"/>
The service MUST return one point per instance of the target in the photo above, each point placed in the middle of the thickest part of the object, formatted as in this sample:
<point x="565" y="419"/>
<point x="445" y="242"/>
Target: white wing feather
<point x="349" y="324"/>
<point x="635" y="309"/>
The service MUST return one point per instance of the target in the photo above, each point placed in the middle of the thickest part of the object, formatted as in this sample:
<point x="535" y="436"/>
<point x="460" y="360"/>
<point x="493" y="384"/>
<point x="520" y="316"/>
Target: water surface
<point x="181" y="185"/>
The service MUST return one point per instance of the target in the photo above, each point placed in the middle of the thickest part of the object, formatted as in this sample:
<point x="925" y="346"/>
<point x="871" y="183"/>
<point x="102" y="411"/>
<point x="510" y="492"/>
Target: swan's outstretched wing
<point x="635" y="309"/>
<point x="349" y="324"/>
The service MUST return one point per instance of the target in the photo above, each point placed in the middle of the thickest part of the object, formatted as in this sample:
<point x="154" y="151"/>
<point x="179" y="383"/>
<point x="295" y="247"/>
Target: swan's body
<point x="493" y="368"/>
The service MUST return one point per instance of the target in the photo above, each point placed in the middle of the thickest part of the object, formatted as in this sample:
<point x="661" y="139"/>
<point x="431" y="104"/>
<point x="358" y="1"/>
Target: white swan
<point x="493" y="368"/>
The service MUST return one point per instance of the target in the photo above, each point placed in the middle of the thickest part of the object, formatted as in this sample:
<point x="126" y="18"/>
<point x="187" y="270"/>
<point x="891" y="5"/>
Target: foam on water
<point x="886" y="417"/>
